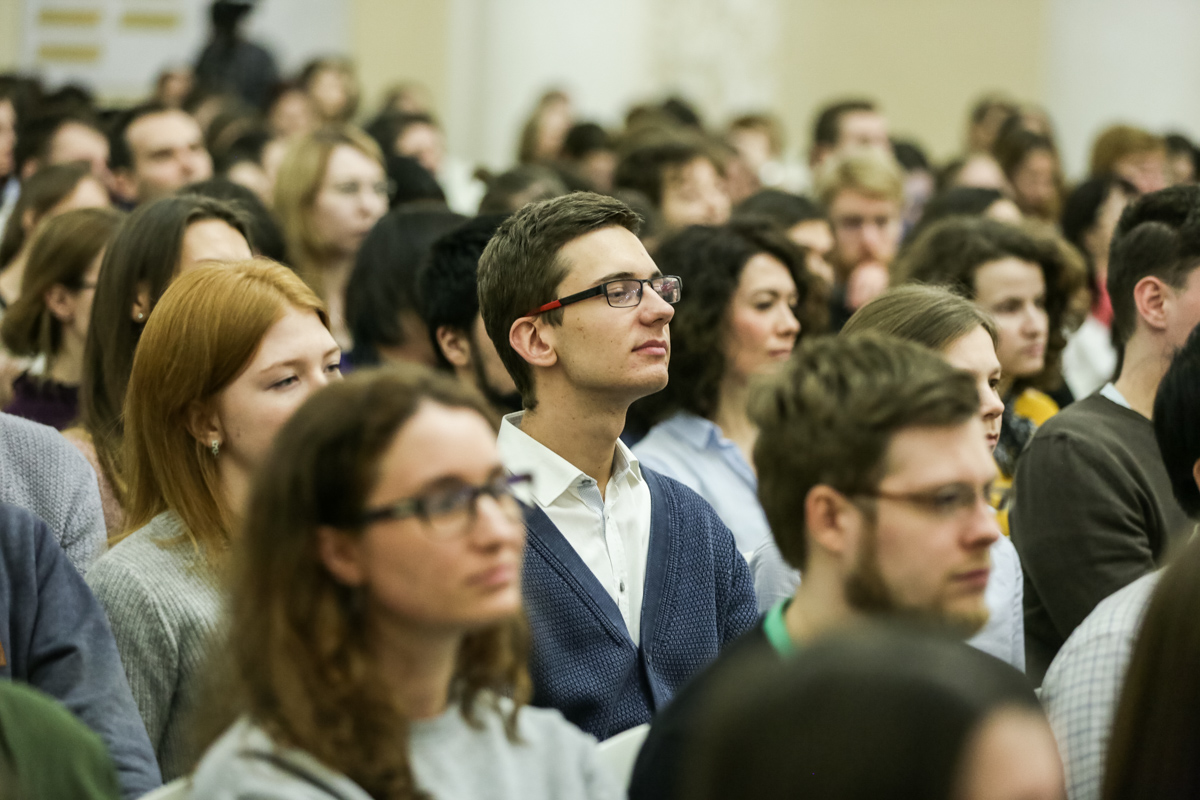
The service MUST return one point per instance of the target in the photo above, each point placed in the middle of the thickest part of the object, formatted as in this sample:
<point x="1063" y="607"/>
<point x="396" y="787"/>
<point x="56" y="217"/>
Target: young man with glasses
<point x="632" y="582"/>
<point x="874" y="474"/>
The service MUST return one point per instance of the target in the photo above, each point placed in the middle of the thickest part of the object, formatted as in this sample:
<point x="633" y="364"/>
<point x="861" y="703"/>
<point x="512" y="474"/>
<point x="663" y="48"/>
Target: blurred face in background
<point x="423" y="142"/>
<point x="292" y="114"/>
<point x="1147" y="170"/>
<point x="866" y="229"/>
<point x="168" y="153"/>
<point x="74" y="141"/>
<point x="1035" y="183"/>
<point x="330" y="92"/>
<point x="352" y="198"/>
<point x="8" y="136"/>
<point x="1014" y="293"/>
<point x="762" y="324"/>
<point x="816" y="237"/>
<point x="694" y="194"/>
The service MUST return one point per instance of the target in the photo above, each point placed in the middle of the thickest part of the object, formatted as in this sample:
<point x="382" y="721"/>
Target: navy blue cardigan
<point x="698" y="597"/>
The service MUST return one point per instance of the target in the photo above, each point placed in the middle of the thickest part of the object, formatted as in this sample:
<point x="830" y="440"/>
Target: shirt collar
<point x="552" y="474"/>
<point x="700" y="433"/>
<point x="1112" y="393"/>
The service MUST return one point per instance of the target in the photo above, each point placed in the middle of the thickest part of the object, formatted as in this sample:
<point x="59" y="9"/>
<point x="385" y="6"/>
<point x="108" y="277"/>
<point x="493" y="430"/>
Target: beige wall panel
<point x="400" y="40"/>
<point x="925" y="61"/>
<point x="12" y="13"/>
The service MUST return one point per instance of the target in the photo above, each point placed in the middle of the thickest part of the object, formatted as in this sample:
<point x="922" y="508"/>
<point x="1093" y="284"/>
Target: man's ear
<point x="141" y="303"/>
<point x="455" y="346"/>
<point x="833" y="522"/>
<point x="342" y="555"/>
<point x="1150" y="297"/>
<point x="60" y="301"/>
<point x="204" y="425"/>
<point x="533" y="339"/>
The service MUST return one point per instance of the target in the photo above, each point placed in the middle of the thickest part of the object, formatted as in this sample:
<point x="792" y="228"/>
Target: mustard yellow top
<point x="1022" y="417"/>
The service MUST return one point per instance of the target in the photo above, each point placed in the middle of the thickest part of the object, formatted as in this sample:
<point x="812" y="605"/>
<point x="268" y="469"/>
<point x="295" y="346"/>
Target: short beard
<point x="867" y="592"/>
<point x="504" y="402"/>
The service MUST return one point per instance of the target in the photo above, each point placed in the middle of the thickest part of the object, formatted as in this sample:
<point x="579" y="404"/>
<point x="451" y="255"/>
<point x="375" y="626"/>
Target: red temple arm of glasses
<point x="553" y="304"/>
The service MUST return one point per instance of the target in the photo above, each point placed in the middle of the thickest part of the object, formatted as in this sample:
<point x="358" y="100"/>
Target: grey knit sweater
<point x="164" y="604"/>
<point x="41" y="472"/>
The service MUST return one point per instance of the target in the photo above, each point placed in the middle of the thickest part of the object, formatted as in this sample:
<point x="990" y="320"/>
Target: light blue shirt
<point x="693" y="451"/>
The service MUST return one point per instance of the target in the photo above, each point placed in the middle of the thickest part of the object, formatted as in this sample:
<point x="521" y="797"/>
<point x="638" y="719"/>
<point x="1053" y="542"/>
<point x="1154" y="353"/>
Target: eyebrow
<point x="624" y="276"/>
<point x="294" y="361"/>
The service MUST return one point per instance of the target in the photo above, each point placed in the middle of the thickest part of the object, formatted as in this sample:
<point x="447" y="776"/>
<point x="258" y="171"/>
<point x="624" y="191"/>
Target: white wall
<point x="1107" y="61"/>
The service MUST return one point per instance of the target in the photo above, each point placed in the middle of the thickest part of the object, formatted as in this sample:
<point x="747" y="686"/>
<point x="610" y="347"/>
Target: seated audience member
<point x="758" y="140"/>
<point x="919" y="182"/>
<point x="448" y="288"/>
<point x="45" y="752"/>
<point x="1154" y="732"/>
<point x="978" y="171"/>
<point x="384" y="520"/>
<point x="1083" y="684"/>
<point x="1183" y="159"/>
<point x="546" y="128"/>
<point x="262" y="229"/>
<point x="747" y="286"/>
<point x="230" y="352"/>
<point x="803" y="221"/>
<point x="52" y="191"/>
<point x="1030" y="163"/>
<point x="62" y="138"/>
<point x="681" y="178"/>
<point x="330" y="191"/>
<point x="1089" y="219"/>
<point x="520" y="186"/>
<point x="230" y="62"/>
<point x="863" y="193"/>
<point x="1093" y="509"/>
<point x="987" y="115"/>
<point x="332" y="90"/>
<point x="155" y="151"/>
<point x="847" y="126"/>
<point x="877" y="715"/>
<point x="877" y="525"/>
<point x="1132" y="154"/>
<point x="42" y="473"/>
<point x="290" y="111"/>
<point x="589" y="152"/>
<point x="156" y="243"/>
<point x="965" y="201"/>
<point x="54" y="637"/>
<point x="966" y="337"/>
<point x="50" y="318"/>
<point x="1024" y="280"/>
<point x="382" y="310"/>
<point x="632" y="582"/>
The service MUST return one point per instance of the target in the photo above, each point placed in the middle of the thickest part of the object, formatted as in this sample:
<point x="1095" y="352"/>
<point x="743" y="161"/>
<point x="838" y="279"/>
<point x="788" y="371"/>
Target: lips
<point x="496" y="577"/>
<point x="976" y="579"/>
<point x="654" y="347"/>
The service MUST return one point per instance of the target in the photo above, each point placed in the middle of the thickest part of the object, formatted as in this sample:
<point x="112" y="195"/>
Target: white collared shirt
<point x="611" y="535"/>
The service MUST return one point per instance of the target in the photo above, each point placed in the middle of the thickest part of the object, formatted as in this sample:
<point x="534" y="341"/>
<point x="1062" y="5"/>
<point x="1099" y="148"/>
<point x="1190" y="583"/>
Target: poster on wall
<point x="117" y="48"/>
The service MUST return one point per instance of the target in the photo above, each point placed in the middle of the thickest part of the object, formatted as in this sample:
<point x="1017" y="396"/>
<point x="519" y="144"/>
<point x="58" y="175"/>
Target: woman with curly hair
<point x="378" y="647"/>
<point x="1027" y="280"/>
<point x="750" y="298"/>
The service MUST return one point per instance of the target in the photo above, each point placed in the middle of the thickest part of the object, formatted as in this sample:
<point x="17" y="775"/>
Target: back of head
<point x="783" y="208"/>
<point x="931" y="316"/>
<point x="383" y="285"/>
<point x="302" y="666"/>
<point x="47" y="188"/>
<point x="448" y="284"/>
<point x="861" y="715"/>
<point x="1177" y="423"/>
<point x="203" y="333"/>
<point x="1158" y="235"/>
<point x="143" y="256"/>
<point x="1119" y="141"/>
<point x="868" y="171"/>
<point x="830" y="414"/>
<point x="520" y="268"/>
<point x="61" y="254"/>
<point x="966" y="201"/>
<point x="1083" y="206"/>
<point x="520" y="186"/>
<point x="1155" y="735"/>
<point x="585" y="138"/>
<point x="36" y="136"/>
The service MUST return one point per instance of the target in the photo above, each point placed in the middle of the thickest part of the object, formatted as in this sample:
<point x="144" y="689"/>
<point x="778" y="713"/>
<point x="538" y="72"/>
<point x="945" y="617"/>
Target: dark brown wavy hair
<point x="301" y="656"/>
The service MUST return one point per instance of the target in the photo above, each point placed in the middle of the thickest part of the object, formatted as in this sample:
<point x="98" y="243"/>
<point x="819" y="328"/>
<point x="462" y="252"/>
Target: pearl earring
<point x="216" y="448"/>
<point x="141" y="316"/>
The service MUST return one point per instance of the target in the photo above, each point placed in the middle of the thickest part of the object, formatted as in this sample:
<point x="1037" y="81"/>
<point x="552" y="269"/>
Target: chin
<point x="968" y="621"/>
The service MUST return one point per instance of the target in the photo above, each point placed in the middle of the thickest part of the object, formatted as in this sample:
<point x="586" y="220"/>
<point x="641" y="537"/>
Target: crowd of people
<point x="333" y="467"/>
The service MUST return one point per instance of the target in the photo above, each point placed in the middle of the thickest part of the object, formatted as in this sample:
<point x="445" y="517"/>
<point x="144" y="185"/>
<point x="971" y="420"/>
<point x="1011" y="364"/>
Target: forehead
<point x="858" y="123"/>
<point x="296" y="334"/>
<point x="962" y="456"/>
<point x="437" y="442"/>
<point x="852" y="201"/>
<point x="764" y="270"/>
<point x="974" y="352"/>
<point x="601" y="253"/>
<point x="696" y="170"/>
<point x="1008" y="276"/>
<point x="346" y="161"/>
<point x="162" y="129"/>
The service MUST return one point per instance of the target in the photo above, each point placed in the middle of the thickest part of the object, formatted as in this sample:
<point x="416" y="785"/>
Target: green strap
<point x="776" y="630"/>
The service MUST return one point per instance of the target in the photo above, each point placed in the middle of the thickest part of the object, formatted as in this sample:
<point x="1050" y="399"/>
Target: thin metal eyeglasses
<point x="621" y="293"/>
<point x="946" y="501"/>
<point x="450" y="513"/>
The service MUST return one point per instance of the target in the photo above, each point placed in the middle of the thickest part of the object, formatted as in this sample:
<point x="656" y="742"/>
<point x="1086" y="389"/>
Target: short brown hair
<point x="830" y="414"/>
<point x="520" y="269"/>
<point x="931" y="316"/>
<point x="866" y="171"/>
<point x="1118" y="141"/>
